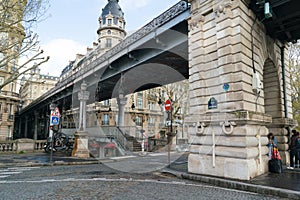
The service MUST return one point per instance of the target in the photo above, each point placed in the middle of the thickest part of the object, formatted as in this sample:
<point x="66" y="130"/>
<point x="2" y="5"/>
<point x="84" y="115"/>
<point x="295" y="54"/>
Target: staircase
<point x="133" y="144"/>
<point x="133" y="135"/>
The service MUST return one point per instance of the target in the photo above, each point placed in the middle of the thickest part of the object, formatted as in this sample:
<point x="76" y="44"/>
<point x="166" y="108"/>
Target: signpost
<point x="168" y="108"/>
<point x="54" y="120"/>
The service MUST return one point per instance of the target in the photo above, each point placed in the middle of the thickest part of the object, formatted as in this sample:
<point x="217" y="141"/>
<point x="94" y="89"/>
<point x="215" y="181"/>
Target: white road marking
<point x="9" y="173"/>
<point x="4" y="173"/>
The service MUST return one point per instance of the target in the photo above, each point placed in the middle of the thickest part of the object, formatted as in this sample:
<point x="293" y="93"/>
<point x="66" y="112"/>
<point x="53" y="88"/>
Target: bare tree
<point x="19" y="45"/>
<point x="294" y="68"/>
<point x="178" y="94"/>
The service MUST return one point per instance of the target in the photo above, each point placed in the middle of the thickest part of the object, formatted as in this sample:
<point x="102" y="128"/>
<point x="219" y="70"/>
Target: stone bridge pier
<point x="239" y="91"/>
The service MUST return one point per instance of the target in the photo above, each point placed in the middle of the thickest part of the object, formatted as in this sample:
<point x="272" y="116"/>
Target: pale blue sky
<point x="71" y="26"/>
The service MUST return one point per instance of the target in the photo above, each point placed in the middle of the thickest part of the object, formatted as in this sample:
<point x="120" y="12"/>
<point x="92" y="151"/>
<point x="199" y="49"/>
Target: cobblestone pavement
<point x="101" y="182"/>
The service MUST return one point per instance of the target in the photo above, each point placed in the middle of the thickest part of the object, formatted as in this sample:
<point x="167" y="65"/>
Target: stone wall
<point x="228" y="136"/>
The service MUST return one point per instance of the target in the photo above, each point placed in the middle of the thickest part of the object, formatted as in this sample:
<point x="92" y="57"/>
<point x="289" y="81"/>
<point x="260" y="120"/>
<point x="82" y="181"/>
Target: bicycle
<point x="60" y="142"/>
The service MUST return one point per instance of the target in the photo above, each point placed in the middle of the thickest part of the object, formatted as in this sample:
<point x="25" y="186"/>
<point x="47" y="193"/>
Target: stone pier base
<point x="234" y="168"/>
<point x="81" y="145"/>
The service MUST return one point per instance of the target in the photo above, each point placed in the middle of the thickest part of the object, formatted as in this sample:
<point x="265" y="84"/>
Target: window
<point x="105" y="119"/>
<point x="117" y="119"/>
<point x="12" y="86"/>
<point x="108" y="43"/>
<point x="140" y="103"/>
<point x="109" y="21"/>
<point x="120" y="24"/>
<point x="151" y="106"/>
<point x="10" y="109"/>
<point x="106" y="102"/>
<point x="138" y="121"/>
<point x="109" y="32"/>
<point x="151" y="121"/>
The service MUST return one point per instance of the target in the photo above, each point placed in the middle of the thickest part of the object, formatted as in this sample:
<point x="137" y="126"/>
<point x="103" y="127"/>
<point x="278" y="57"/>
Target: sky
<point x="70" y="26"/>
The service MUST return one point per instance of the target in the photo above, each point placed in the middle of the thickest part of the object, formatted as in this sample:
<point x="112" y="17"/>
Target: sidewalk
<point x="285" y="185"/>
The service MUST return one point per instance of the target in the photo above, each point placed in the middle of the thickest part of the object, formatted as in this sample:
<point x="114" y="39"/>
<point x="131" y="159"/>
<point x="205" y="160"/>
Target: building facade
<point x="35" y="85"/>
<point x="11" y="37"/>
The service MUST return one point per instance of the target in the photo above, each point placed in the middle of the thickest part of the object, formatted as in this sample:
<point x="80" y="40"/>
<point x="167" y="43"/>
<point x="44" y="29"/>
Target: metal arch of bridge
<point x="160" y="45"/>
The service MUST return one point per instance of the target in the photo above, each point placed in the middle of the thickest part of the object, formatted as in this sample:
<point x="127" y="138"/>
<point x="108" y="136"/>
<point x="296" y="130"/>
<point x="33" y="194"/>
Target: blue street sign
<point x="54" y="120"/>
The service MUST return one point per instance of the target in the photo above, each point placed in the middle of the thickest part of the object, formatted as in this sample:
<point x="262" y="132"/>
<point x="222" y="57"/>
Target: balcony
<point x="10" y="94"/>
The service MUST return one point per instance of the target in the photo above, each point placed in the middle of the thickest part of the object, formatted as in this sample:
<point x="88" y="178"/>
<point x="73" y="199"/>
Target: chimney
<point x="95" y="44"/>
<point x="88" y="50"/>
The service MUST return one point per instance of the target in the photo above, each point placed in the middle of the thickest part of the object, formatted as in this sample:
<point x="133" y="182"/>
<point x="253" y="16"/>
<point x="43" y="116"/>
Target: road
<point x="104" y="181"/>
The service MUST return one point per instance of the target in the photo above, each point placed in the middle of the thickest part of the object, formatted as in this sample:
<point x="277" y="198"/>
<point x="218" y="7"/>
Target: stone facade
<point x="229" y="125"/>
<point x="35" y="85"/>
<point x="11" y="37"/>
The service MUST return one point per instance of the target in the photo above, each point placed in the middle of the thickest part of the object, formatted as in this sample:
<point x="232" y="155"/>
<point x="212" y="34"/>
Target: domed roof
<point x="112" y="8"/>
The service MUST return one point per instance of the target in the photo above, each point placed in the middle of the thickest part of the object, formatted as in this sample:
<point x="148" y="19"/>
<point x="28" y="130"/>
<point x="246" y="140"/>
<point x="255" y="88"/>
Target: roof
<point x="112" y="8"/>
<point x="284" y="24"/>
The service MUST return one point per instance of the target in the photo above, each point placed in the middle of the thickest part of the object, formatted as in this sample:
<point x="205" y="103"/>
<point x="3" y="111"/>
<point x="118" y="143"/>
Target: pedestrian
<point x="297" y="157"/>
<point x="271" y="143"/>
<point x="293" y="150"/>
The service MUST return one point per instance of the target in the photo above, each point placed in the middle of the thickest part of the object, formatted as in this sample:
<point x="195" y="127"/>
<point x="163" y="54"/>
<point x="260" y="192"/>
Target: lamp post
<point x="20" y="105"/>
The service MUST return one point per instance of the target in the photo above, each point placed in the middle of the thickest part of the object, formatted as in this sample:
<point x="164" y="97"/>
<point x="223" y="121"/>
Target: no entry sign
<point x="168" y="105"/>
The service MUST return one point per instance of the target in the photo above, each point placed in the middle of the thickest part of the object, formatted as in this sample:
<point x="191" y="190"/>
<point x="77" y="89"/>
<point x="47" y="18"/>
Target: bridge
<point x="234" y="59"/>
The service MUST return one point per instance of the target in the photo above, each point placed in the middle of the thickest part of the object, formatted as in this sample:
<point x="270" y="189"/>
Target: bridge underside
<point x="284" y="24"/>
<point x="144" y="60"/>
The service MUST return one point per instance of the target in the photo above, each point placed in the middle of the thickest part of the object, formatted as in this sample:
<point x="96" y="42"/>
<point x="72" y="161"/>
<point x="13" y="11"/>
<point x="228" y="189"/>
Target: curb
<point x="231" y="184"/>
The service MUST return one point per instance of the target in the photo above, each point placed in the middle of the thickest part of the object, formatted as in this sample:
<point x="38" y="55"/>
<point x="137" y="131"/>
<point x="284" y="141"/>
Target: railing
<point x="115" y="133"/>
<point x="109" y="132"/>
<point x="12" y="145"/>
<point x="39" y="144"/>
<point x="132" y="131"/>
<point x="7" y="146"/>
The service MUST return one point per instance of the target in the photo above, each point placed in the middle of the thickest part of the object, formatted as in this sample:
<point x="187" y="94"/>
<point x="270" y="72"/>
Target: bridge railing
<point x="93" y="59"/>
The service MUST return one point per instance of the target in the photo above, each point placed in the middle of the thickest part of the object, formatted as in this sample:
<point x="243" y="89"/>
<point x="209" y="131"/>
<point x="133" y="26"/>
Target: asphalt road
<point x="107" y="181"/>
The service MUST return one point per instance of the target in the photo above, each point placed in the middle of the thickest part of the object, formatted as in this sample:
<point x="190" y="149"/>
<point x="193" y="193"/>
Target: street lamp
<point x="20" y="105"/>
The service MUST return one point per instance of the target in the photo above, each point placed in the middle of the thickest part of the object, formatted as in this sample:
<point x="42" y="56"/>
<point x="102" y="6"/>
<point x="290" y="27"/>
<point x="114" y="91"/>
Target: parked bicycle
<point x="60" y="142"/>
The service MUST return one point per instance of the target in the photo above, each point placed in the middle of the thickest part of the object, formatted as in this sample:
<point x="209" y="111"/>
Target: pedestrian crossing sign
<point x="54" y="120"/>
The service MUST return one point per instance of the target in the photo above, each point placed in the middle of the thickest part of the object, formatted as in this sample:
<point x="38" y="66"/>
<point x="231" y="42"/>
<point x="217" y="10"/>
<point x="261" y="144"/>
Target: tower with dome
<point x="111" y="26"/>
